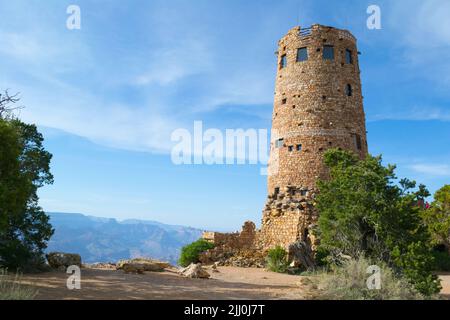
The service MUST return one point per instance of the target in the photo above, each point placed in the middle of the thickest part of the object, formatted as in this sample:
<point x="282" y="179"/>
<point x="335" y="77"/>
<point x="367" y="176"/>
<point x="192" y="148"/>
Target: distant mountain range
<point x="108" y="240"/>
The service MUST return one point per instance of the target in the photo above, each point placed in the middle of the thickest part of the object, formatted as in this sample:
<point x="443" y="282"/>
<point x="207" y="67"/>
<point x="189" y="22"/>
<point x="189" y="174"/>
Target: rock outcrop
<point x="62" y="260"/>
<point x="301" y="255"/>
<point x="141" y="265"/>
<point x="195" y="271"/>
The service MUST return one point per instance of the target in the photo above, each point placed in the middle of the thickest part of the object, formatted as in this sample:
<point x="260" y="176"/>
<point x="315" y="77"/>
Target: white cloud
<point x="68" y="81"/>
<point x="415" y="114"/>
<point x="422" y="30"/>
<point x="439" y="170"/>
<point x="170" y="64"/>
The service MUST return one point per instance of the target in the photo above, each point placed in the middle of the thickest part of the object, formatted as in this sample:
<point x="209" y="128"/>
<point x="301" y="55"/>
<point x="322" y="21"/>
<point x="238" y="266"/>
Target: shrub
<point x="191" y="252"/>
<point x="277" y="260"/>
<point x="349" y="282"/>
<point x="11" y="288"/>
<point x="364" y="211"/>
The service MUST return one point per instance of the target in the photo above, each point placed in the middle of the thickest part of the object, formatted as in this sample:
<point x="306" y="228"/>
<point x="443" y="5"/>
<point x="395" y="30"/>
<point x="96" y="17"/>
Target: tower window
<point x="349" y="90"/>
<point x="348" y="56"/>
<point x="328" y="53"/>
<point x="276" y="191"/>
<point x="291" y="148"/>
<point x="284" y="101"/>
<point x="302" y="54"/>
<point x="358" y="143"/>
<point x="298" y="147"/>
<point x="283" y="61"/>
<point x="279" y="143"/>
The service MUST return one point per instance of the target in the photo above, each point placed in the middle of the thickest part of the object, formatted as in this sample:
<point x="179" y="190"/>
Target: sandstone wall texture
<point x="312" y="106"/>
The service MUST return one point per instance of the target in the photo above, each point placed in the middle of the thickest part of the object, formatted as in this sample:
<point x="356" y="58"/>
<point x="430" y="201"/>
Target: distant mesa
<point x="108" y="240"/>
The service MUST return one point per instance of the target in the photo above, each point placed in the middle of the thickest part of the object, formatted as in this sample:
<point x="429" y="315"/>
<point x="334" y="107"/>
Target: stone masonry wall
<point x="288" y="216"/>
<point x="311" y="106"/>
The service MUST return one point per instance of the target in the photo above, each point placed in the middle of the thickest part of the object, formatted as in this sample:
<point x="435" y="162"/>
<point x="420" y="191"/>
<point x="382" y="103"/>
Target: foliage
<point x="11" y="288"/>
<point x="437" y="217"/>
<point x="363" y="212"/>
<point x="277" y="260"/>
<point x="191" y="252"/>
<point x="24" y="167"/>
<point x="349" y="282"/>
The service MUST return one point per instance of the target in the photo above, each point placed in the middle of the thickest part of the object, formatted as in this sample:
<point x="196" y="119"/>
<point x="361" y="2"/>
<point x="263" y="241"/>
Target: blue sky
<point x="108" y="96"/>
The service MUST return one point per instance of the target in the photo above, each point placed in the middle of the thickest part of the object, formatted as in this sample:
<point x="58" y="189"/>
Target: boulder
<point x="214" y="267"/>
<point x="301" y="255"/>
<point x="60" y="260"/>
<point x="141" y="265"/>
<point x="195" y="271"/>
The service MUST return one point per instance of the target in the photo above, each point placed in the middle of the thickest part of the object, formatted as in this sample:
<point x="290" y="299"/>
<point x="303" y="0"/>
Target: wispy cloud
<point x="128" y="96"/>
<point x="438" y="170"/>
<point x="414" y="114"/>
<point x="424" y="37"/>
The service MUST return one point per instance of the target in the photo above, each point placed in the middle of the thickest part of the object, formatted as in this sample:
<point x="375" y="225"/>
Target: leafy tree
<point x="191" y="252"/>
<point x="363" y="212"/>
<point x="24" y="167"/>
<point x="437" y="217"/>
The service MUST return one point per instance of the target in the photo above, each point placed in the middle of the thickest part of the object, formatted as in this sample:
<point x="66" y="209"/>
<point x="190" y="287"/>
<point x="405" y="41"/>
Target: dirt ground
<point x="229" y="283"/>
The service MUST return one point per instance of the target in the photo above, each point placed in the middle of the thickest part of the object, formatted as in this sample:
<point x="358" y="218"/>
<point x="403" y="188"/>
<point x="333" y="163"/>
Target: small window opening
<point x="358" y="142"/>
<point x="279" y="143"/>
<point x="298" y="147"/>
<point x="283" y="61"/>
<point x="284" y="101"/>
<point x="349" y="90"/>
<point x="291" y="148"/>
<point x="328" y="52"/>
<point x="348" y="56"/>
<point x="302" y="54"/>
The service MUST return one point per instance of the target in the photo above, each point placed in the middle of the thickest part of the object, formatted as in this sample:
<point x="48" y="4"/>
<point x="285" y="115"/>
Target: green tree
<point x="24" y="167"/>
<point x="363" y="212"/>
<point x="437" y="217"/>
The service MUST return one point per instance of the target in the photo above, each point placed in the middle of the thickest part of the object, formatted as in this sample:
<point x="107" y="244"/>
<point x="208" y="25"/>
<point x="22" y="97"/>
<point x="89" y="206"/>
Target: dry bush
<point x="11" y="288"/>
<point x="348" y="282"/>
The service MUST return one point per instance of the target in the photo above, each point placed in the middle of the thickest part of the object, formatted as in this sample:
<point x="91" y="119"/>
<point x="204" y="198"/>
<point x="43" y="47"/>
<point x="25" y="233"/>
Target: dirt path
<point x="445" y="285"/>
<point x="230" y="283"/>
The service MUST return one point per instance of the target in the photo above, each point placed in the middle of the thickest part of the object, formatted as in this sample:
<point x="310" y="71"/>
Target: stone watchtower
<point x="318" y="105"/>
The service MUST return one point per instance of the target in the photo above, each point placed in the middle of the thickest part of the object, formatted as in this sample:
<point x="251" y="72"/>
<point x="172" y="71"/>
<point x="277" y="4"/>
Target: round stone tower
<point x="318" y="105"/>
